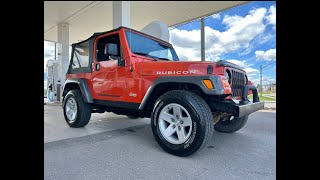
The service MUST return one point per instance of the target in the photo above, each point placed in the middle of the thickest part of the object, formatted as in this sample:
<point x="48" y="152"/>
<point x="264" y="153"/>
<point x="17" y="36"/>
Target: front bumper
<point x="247" y="109"/>
<point x="243" y="108"/>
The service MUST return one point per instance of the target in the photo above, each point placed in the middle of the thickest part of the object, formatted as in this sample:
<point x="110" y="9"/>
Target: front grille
<point x="237" y="83"/>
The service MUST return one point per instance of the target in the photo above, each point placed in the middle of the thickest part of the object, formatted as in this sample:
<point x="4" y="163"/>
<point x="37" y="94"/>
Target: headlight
<point x="228" y="76"/>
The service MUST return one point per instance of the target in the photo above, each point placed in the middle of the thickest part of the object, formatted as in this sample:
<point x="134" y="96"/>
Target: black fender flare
<point x="196" y="80"/>
<point x="84" y="88"/>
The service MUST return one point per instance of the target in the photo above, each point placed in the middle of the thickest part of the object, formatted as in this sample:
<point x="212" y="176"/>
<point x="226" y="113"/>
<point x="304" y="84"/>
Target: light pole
<point x="261" y="67"/>
<point x="260" y="80"/>
<point x="202" y="40"/>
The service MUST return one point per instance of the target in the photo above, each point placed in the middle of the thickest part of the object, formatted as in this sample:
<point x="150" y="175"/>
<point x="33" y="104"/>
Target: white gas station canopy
<point x="87" y="17"/>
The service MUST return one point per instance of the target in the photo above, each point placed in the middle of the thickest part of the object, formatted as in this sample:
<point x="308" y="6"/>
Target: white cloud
<point x="231" y="20"/>
<point x="259" y="40"/>
<point x="240" y="31"/>
<point x="216" y="16"/>
<point x="251" y="71"/>
<point x="255" y="81"/>
<point x="271" y="18"/>
<point x="188" y="54"/>
<point x="237" y="62"/>
<point x="265" y="38"/>
<point x="268" y="55"/>
<point x="48" y="49"/>
<point x="184" y="38"/>
<point x="48" y="52"/>
<point x="265" y="81"/>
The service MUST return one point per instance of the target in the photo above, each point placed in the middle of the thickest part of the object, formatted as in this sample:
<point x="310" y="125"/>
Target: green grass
<point x="268" y="92"/>
<point x="265" y="93"/>
<point x="262" y="98"/>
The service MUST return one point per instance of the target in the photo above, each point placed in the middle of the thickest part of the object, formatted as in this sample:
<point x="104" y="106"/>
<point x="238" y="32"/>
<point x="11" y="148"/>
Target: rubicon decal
<point x="175" y="72"/>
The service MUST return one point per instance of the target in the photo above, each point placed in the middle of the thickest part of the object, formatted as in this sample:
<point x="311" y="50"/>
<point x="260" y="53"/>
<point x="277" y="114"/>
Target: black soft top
<point x="95" y="35"/>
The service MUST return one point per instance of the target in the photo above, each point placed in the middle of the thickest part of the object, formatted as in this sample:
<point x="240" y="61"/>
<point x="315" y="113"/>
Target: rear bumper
<point x="243" y="108"/>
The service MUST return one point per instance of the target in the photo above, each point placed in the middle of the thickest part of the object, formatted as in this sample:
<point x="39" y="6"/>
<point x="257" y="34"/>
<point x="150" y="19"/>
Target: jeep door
<point x="108" y="78"/>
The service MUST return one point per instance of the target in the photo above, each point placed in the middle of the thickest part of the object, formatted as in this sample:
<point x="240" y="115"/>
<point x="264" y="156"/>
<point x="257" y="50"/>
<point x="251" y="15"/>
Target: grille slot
<point x="237" y="83"/>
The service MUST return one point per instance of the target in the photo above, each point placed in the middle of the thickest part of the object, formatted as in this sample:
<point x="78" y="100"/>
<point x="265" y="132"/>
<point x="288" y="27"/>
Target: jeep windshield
<point x="142" y="45"/>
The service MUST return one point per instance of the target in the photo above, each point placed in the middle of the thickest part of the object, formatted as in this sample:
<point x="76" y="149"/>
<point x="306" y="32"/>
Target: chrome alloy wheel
<point x="71" y="109"/>
<point x="175" y="123"/>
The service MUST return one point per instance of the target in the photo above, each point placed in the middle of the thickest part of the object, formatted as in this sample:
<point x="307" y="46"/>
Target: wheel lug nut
<point x="177" y="116"/>
<point x="173" y="126"/>
<point x="179" y="128"/>
<point x="172" y="120"/>
<point x="181" y="122"/>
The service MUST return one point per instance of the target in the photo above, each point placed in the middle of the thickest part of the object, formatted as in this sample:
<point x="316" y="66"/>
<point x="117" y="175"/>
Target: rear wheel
<point x="181" y="122"/>
<point x="76" y="112"/>
<point x="230" y="124"/>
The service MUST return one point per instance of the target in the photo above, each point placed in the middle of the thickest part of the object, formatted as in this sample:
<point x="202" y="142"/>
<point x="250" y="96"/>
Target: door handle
<point x="98" y="66"/>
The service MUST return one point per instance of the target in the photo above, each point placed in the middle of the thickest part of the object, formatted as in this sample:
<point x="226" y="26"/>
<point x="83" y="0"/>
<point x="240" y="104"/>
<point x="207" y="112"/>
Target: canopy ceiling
<point x="87" y="17"/>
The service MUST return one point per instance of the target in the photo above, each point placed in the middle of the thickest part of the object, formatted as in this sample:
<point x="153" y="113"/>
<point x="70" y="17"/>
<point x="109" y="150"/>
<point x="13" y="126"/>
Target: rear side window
<point x="81" y="55"/>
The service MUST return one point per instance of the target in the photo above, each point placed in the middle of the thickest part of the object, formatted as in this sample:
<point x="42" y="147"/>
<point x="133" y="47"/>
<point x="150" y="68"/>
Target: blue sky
<point x="244" y="35"/>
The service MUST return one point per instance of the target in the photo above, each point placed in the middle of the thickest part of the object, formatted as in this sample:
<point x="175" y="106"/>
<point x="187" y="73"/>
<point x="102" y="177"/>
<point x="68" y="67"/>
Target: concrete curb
<point x="269" y="108"/>
<point x="53" y="104"/>
<point x="270" y="105"/>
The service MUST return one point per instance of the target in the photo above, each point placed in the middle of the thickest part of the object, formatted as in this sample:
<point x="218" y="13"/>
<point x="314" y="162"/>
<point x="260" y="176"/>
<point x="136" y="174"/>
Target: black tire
<point x="133" y="117"/>
<point x="230" y="126"/>
<point x="83" y="114"/>
<point x="201" y="116"/>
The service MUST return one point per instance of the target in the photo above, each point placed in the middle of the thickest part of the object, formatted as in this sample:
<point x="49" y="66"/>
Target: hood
<point x="179" y="68"/>
<point x="228" y="64"/>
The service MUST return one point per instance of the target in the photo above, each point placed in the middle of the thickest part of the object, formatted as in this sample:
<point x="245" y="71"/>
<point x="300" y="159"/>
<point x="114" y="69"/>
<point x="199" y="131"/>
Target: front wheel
<point x="76" y="112"/>
<point x="181" y="122"/>
<point x="230" y="124"/>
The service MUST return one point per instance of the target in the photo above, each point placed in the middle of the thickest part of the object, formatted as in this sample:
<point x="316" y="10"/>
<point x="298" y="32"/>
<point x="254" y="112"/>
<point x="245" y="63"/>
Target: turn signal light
<point x="208" y="83"/>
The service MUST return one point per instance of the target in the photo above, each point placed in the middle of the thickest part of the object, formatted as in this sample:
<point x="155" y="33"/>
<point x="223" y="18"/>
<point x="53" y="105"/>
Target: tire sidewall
<point x="230" y="126"/>
<point x="197" y="125"/>
<point x="68" y="96"/>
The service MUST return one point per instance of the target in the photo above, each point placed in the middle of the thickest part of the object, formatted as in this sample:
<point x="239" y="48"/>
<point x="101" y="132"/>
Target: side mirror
<point x="111" y="49"/>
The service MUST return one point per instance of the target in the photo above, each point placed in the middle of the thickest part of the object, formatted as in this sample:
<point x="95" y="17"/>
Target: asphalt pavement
<point x="115" y="147"/>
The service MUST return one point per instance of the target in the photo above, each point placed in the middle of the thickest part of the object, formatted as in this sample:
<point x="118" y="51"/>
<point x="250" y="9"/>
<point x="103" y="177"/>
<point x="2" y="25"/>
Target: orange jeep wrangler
<point x="127" y="72"/>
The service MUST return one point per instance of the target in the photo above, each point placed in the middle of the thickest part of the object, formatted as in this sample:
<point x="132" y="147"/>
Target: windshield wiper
<point x="145" y="54"/>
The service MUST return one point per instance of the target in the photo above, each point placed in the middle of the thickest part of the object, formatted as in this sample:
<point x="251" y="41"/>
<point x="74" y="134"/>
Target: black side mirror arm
<point x="121" y="62"/>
